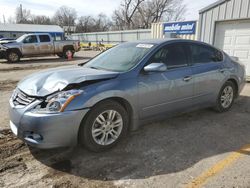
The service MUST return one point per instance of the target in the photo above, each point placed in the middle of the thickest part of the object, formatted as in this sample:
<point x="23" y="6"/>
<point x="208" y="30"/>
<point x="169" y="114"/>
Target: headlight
<point x="58" y="102"/>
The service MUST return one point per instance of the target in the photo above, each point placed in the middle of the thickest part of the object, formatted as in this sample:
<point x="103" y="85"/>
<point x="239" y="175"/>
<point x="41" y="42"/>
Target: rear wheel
<point x="226" y="97"/>
<point x="104" y="126"/>
<point x="13" y="56"/>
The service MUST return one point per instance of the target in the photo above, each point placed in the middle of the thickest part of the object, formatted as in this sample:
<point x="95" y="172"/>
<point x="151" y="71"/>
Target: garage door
<point x="234" y="38"/>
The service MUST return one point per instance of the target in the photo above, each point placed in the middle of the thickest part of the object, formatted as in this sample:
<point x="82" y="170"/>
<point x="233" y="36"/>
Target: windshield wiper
<point x="94" y="68"/>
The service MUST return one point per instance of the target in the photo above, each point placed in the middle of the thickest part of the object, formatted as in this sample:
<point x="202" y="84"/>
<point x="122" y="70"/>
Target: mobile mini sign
<point x="180" y="28"/>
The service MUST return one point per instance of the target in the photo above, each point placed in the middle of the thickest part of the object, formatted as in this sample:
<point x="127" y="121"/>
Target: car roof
<point x="156" y="41"/>
<point x="164" y="41"/>
<point x="27" y="34"/>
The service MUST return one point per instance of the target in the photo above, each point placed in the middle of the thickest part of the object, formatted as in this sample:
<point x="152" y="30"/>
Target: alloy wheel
<point x="107" y="127"/>
<point x="13" y="56"/>
<point x="227" y="97"/>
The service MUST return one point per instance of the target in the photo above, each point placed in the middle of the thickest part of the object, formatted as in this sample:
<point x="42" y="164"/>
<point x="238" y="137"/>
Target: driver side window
<point x="173" y="56"/>
<point x="30" y="39"/>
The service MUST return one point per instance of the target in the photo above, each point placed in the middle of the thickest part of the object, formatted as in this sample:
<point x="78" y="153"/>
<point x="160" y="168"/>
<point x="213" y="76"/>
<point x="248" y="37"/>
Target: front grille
<point x="20" y="98"/>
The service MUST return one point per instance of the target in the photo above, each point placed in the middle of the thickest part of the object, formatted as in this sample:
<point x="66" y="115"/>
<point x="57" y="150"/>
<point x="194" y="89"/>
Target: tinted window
<point x="174" y="56"/>
<point x="44" y="38"/>
<point x="203" y="54"/>
<point x="30" y="39"/>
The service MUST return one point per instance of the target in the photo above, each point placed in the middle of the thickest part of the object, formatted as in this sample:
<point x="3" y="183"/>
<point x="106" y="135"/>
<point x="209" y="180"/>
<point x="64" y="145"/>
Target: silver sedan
<point x="97" y="103"/>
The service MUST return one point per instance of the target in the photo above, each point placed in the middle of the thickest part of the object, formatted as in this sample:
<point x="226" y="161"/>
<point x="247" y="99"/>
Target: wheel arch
<point x="124" y="103"/>
<point x="14" y="49"/>
<point x="71" y="47"/>
<point x="235" y="82"/>
<point x="133" y="124"/>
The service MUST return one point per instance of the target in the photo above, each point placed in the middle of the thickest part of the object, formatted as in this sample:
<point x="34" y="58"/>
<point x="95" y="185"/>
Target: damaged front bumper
<point x="46" y="130"/>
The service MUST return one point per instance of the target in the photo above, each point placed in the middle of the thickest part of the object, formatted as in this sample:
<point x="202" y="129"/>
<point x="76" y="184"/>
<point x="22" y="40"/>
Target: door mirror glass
<point x="155" y="67"/>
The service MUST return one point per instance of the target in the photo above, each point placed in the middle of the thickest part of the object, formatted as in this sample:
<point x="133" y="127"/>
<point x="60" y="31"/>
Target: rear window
<point x="44" y="38"/>
<point x="203" y="54"/>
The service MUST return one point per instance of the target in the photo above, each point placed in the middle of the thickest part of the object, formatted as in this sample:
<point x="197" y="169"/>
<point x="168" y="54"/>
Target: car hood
<point x="7" y="41"/>
<point x="56" y="79"/>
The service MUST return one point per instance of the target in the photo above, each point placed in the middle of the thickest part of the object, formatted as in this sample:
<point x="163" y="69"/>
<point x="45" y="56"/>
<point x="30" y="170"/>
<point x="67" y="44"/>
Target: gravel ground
<point x="169" y="153"/>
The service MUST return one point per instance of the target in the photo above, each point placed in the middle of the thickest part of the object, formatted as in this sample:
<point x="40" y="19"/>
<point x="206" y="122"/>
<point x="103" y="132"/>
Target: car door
<point x="207" y="70"/>
<point x="46" y="44"/>
<point x="172" y="90"/>
<point x="30" y="45"/>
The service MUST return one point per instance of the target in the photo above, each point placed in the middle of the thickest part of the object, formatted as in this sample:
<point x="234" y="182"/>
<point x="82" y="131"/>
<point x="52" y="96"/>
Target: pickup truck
<point x="38" y="44"/>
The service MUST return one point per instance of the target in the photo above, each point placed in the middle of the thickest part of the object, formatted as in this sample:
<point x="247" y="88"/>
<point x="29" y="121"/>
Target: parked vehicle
<point x="97" y="103"/>
<point x="40" y="44"/>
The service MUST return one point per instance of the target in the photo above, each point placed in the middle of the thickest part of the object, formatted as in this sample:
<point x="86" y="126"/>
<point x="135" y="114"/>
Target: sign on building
<point x="180" y="28"/>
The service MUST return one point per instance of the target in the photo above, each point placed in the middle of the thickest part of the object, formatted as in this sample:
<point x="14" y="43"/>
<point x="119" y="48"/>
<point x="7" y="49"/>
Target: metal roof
<point x="217" y="3"/>
<point x="30" y="28"/>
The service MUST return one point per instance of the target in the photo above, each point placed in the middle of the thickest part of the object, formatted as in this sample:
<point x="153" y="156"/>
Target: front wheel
<point x="226" y="97"/>
<point x="13" y="56"/>
<point x="104" y="126"/>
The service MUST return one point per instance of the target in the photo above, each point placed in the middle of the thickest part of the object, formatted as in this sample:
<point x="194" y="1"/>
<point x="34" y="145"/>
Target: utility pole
<point x="21" y="13"/>
<point x="3" y="19"/>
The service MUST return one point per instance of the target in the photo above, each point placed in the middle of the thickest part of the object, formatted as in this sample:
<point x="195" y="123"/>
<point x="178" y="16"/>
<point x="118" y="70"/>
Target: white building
<point x="226" y="25"/>
<point x="17" y="30"/>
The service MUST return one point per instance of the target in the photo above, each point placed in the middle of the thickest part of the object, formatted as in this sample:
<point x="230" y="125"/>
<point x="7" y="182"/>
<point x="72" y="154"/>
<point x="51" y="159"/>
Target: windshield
<point x="120" y="58"/>
<point x="20" y="39"/>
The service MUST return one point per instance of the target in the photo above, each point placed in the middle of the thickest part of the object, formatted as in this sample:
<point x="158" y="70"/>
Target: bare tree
<point x="22" y="15"/>
<point x="93" y="24"/>
<point x="85" y="24"/>
<point x="123" y="17"/>
<point x="178" y="13"/>
<point x="41" y="19"/>
<point x="11" y="20"/>
<point x="153" y="11"/>
<point x="141" y="14"/>
<point x="102" y="23"/>
<point x="65" y="16"/>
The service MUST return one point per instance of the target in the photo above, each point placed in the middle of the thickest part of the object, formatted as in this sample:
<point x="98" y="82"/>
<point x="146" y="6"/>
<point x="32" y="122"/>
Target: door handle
<point x="187" y="78"/>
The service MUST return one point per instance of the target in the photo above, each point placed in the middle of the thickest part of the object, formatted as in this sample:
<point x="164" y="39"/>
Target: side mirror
<point x="155" y="67"/>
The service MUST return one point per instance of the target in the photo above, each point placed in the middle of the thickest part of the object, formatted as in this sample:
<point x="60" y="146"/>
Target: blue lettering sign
<point x="181" y="28"/>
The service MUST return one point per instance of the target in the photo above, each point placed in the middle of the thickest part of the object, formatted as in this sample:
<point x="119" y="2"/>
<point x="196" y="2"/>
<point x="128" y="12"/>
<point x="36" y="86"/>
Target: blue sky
<point x="84" y="7"/>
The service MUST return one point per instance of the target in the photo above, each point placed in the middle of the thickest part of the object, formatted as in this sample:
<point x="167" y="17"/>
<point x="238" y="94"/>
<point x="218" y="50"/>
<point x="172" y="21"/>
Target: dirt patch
<point x="8" y="85"/>
<point x="9" y="144"/>
<point x="10" y="148"/>
<point x="29" y="67"/>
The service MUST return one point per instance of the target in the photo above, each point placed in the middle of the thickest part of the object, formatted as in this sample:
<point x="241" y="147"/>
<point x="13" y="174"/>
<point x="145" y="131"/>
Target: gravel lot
<point x="202" y="148"/>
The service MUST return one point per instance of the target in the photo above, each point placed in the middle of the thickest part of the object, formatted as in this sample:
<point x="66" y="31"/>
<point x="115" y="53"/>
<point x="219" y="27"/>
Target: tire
<point x="108" y="132"/>
<point x="228" y="92"/>
<point x="13" y="56"/>
<point x="66" y="51"/>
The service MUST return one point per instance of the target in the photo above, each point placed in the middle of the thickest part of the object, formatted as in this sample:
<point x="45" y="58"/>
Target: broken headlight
<point x="58" y="102"/>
